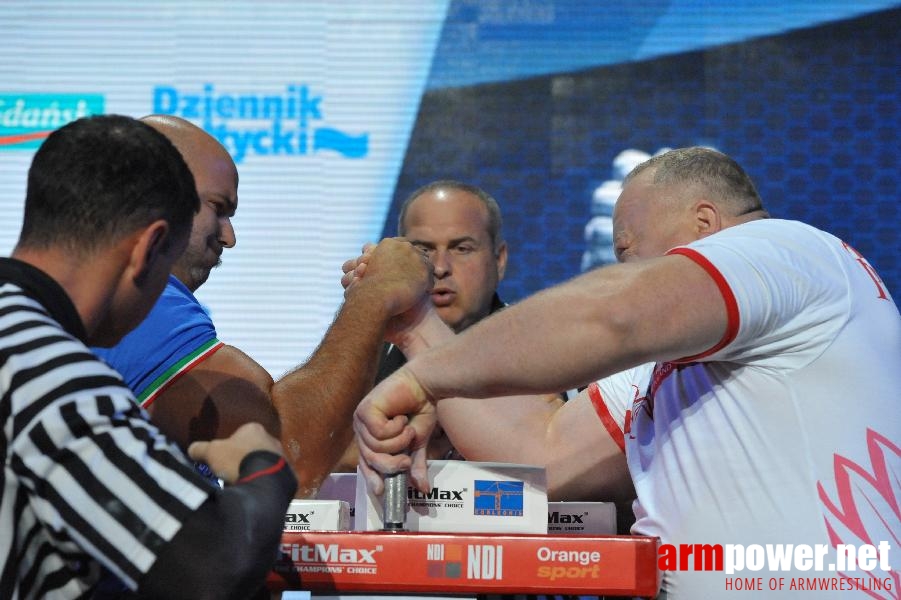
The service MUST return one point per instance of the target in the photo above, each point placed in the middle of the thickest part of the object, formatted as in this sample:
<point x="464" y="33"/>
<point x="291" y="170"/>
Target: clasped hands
<point x="395" y="421"/>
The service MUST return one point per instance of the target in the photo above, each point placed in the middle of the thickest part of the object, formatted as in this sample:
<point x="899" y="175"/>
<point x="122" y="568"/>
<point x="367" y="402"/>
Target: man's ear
<point x="501" y="256"/>
<point x="707" y="218"/>
<point x="148" y="248"/>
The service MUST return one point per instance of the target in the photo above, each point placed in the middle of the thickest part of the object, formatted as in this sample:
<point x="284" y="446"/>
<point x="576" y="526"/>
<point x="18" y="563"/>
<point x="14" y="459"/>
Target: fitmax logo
<point x="330" y="554"/>
<point x="435" y="494"/>
<point x="566" y="518"/>
<point x="294" y="518"/>
<point x="27" y="119"/>
<point x="284" y="123"/>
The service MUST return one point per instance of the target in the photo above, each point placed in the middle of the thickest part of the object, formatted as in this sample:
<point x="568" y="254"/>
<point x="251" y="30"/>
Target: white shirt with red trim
<point x="788" y="430"/>
<point x="614" y="396"/>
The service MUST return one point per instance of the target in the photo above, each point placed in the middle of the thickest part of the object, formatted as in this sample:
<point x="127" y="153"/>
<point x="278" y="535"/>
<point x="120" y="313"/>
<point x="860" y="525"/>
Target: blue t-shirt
<point x="176" y="335"/>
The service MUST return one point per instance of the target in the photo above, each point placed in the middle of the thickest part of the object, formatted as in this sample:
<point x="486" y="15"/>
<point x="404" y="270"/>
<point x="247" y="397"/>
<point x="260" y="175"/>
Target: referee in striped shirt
<point x="88" y="484"/>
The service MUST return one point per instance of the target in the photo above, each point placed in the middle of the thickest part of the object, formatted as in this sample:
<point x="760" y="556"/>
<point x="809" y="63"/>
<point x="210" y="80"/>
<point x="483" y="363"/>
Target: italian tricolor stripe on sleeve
<point x="169" y="376"/>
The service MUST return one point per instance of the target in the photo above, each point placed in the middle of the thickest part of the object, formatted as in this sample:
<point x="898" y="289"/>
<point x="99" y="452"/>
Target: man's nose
<point x="441" y="265"/>
<point x="226" y="232"/>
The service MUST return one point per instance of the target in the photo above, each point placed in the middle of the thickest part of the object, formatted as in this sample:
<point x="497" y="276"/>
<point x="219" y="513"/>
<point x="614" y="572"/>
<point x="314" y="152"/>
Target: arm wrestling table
<point x="463" y="563"/>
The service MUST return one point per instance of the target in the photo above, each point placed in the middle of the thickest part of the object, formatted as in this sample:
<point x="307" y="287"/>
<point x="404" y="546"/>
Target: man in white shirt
<point x="770" y="417"/>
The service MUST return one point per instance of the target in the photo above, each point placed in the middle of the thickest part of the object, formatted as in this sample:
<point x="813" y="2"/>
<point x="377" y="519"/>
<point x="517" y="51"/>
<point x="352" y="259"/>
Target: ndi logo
<point x="444" y="560"/>
<point x="266" y="124"/>
<point x="27" y="119"/>
<point x="501" y="498"/>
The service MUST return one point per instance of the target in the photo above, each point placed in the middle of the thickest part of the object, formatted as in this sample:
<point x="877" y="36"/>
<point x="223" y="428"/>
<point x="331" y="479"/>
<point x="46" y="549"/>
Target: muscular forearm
<point x="509" y="353"/>
<point x="227" y="546"/>
<point x="529" y="429"/>
<point x="509" y="429"/>
<point x="581" y="459"/>
<point x="429" y="331"/>
<point x="316" y="401"/>
<point x="595" y="325"/>
<point x="506" y="429"/>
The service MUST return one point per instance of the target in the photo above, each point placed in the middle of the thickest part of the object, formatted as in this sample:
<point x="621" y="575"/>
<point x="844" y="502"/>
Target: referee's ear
<point x="149" y="251"/>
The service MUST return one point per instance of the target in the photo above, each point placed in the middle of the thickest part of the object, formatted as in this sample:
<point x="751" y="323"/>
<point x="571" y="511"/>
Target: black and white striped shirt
<point x="87" y="481"/>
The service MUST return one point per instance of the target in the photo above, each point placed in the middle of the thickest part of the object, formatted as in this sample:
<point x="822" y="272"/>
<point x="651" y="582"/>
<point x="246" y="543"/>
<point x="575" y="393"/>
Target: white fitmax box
<point x="317" y="515"/>
<point x="467" y="497"/>
<point x="340" y="486"/>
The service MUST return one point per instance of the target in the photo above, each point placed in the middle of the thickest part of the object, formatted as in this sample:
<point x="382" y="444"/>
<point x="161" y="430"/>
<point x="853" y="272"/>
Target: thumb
<point x="198" y="451"/>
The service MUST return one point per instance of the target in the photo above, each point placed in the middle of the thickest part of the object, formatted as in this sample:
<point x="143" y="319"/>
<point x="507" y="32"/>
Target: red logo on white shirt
<point x="867" y="508"/>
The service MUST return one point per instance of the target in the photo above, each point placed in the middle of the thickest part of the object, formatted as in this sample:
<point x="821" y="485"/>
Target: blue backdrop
<point x="811" y="113"/>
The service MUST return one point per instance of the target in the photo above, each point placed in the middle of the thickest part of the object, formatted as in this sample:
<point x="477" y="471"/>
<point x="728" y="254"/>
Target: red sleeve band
<point x="732" y="315"/>
<point x="278" y="466"/>
<point x="610" y="424"/>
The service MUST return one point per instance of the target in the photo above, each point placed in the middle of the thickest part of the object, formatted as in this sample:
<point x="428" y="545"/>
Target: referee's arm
<point x="228" y="545"/>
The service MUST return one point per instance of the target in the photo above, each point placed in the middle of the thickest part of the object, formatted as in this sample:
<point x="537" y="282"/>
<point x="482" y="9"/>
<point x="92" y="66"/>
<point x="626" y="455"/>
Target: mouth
<point x="217" y="253"/>
<point x="443" y="297"/>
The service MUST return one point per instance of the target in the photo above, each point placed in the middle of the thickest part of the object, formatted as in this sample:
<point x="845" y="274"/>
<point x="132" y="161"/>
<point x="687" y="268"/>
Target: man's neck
<point x="89" y="280"/>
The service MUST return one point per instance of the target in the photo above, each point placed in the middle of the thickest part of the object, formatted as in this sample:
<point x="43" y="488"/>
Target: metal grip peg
<point x="395" y="498"/>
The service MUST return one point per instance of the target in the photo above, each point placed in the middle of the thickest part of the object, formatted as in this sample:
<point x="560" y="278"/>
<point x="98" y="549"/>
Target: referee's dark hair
<point x="103" y="177"/>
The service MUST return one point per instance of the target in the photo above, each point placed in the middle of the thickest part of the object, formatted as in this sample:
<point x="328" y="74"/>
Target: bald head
<point x="192" y="141"/>
<point x="216" y="178"/>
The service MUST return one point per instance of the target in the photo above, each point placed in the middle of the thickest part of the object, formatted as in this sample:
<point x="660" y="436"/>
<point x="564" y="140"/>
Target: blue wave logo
<point x="27" y="119"/>
<point x="286" y="123"/>
<point x="499" y="498"/>
<point x="351" y="146"/>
